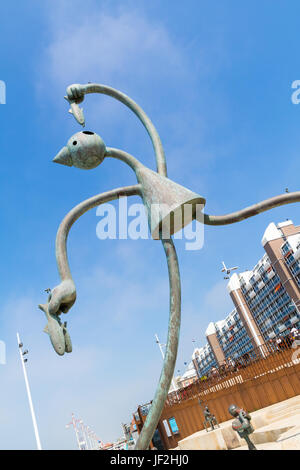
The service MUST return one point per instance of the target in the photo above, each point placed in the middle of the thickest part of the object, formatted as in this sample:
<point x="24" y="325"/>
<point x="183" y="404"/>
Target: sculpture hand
<point x="62" y="297"/>
<point x="75" y="95"/>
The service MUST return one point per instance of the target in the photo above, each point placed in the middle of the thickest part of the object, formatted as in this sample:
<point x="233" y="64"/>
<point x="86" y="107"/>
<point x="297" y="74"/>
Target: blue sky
<point x="215" y="78"/>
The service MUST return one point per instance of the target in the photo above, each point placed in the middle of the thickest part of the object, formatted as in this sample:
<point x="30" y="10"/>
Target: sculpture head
<point x="233" y="410"/>
<point x="85" y="150"/>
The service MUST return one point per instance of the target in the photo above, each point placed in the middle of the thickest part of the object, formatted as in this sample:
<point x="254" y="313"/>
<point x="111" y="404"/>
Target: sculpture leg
<point x="171" y="350"/>
<point x="251" y="446"/>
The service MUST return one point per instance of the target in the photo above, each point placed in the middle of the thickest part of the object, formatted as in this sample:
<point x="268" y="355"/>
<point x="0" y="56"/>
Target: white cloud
<point x="121" y="47"/>
<point x="137" y="55"/>
<point x="104" y="47"/>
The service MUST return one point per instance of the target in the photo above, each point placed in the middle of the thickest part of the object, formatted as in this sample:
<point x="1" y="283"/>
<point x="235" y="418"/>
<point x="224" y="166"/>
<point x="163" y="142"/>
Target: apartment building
<point x="189" y="376"/>
<point x="203" y="360"/>
<point x="266" y="301"/>
<point x="267" y="297"/>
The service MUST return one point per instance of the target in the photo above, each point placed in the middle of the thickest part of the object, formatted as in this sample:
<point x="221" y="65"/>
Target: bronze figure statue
<point x="242" y="424"/>
<point x="210" y="419"/>
<point x="164" y="201"/>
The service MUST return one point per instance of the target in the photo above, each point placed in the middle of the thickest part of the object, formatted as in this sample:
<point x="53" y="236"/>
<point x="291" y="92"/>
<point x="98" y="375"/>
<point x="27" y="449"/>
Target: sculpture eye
<point x="75" y="142"/>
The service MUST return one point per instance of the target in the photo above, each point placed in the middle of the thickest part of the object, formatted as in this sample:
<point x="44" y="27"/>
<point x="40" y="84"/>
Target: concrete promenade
<point x="277" y="427"/>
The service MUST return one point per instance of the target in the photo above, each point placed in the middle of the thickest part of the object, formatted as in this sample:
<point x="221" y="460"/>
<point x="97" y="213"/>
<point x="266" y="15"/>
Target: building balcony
<point x="294" y="319"/>
<point x="281" y="328"/>
<point x="297" y="253"/>
<point x="267" y="264"/>
<point x="247" y="286"/>
<point x="271" y="274"/>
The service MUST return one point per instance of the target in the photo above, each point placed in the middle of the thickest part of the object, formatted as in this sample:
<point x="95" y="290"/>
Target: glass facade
<point x="270" y="305"/>
<point x="232" y="336"/>
<point x="264" y="293"/>
<point x="204" y="360"/>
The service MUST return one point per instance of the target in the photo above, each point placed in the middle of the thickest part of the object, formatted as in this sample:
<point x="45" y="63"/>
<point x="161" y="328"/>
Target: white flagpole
<point x="36" y="432"/>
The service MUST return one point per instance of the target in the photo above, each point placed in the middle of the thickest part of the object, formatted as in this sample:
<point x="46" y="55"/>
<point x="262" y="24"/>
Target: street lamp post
<point x="87" y="150"/>
<point x="95" y="440"/>
<point x="74" y="424"/>
<point x="84" y="435"/>
<point x="23" y="361"/>
<point x="90" y="437"/>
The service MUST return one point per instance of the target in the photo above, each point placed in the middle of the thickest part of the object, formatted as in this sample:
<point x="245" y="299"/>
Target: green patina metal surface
<point x="86" y="150"/>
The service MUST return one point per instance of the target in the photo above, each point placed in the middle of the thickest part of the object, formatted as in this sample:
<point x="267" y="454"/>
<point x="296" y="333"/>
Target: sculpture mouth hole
<point x="88" y="132"/>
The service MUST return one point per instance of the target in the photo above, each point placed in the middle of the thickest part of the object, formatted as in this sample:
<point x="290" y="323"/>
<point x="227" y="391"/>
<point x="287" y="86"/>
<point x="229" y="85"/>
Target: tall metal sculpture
<point x="164" y="201"/>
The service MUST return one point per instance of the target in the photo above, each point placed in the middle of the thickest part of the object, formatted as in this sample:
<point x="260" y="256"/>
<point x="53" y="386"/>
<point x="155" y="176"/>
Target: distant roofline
<point x="211" y="329"/>
<point x="272" y="231"/>
<point x="286" y="223"/>
<point x="234" y="283"/>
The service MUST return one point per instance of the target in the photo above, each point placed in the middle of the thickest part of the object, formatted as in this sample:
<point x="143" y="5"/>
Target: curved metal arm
<point x="233" y="217"/>
<point x="124" y="157"/>
<point x="74" y="214"/>
<point x="175" y="302"/>
<point x="79" y="91"/>
<point x="171" y="349"/>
